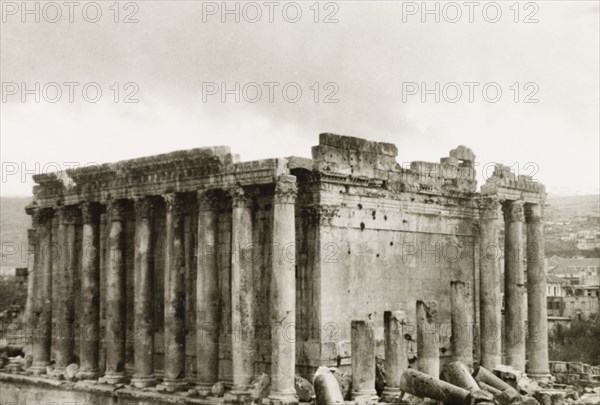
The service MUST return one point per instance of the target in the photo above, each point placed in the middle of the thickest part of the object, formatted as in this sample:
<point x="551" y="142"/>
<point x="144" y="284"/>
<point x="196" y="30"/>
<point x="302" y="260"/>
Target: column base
<point x="391" y="394"/>
<point x="58" y="373"/>
<point x="38" y="369"/>
<point x="365" y="397"/>
<point x="143" y="381"/>
<point x="203" y="390"/>
<point x="283" y="398"/>
<point x="238" y="395"/>
<point x="172" y="385"/>
<point x="88" y="374"/>
<point x="114" y="378"/>
<point x="540" y="376"/>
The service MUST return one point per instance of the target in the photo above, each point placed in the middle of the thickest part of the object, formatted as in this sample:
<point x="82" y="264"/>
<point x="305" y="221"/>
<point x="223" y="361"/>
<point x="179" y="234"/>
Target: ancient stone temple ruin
<point x="188" y="269"/>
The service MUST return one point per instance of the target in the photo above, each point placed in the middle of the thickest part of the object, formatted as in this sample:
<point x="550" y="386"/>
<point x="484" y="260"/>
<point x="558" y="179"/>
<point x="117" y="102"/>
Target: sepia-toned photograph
<point x="311" y="202"/>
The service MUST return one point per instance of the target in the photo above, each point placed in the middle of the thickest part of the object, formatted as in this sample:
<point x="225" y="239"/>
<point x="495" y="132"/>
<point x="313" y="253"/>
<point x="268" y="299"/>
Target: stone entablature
<point x="181" y="171"/>
<point x="337" y="159"/>
<point x="508" y="186"/>
<point x="345" y="159"/>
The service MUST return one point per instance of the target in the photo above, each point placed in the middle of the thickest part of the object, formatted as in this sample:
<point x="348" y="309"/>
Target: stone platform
<point x="20" y="389"/>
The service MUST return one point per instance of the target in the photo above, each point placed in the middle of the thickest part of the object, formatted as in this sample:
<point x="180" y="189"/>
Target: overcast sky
<point x="366" y="61"/>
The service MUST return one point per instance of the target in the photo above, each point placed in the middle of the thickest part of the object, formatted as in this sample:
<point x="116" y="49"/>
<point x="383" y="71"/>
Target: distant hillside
<point x="585" y="205"/>
<point x="14" y="223"/>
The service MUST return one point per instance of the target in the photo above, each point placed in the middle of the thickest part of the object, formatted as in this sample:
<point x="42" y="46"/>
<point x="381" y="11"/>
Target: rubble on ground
<point x="459" y="385"/>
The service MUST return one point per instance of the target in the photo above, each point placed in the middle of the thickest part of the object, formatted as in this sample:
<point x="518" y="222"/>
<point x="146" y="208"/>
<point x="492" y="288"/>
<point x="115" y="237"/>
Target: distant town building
<point x="577" y="271"/>
<point x="572" y="287"/>
<point x="582" y="304"/>
<point x="555" y="286"/>
<point x="590" y="243"/>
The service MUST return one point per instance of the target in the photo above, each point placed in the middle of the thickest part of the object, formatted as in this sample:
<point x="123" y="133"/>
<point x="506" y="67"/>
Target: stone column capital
<point x="69" y="214"/>
<point x="325" y="213"/>
<point x="173" y="202"/>
<point x="285" y="190"/>
<point x="534" y="213"/>
<point x="208" y="200"/>
<point x="90" y="212"/>
<point x="143" y="206"/>
<point x="513" y="211"/>
<point x="39" y="215"/>
<point x="35" y="212"/>
<point x="117" y="210"/>
<point x="489" y="208"/>
<point x="240" y="197"/>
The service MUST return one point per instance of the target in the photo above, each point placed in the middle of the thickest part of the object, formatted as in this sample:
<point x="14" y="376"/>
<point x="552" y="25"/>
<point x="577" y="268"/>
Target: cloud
<point x="362" y="61"/>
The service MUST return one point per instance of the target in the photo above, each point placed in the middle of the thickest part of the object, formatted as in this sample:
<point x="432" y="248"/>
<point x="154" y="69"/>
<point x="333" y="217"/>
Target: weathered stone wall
<point x="384" y="258"/>
<point x="387" y="237"/>
<point x="575" y="373"/>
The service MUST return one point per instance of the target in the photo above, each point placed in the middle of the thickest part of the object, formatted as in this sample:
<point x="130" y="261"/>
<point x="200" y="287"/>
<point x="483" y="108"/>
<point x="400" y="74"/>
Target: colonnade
<point x="85" y="218"/>
<point x="521" y="339"/>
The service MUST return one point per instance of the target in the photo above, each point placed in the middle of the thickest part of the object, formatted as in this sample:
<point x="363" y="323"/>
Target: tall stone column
<point x="461" y="322"/>
<point x="490" y="297"/>
<point x="32" y="276"/>
<point x="283" y="293"/>
<point x="143" y="291"/>
<point x="89" y="349"/>
<point x="42" y="304"/>
<point x="242" y="295"/>
<point x="207" y="294"/>
<point x="514" y="285"/>
<point x="69" y="217"/>
<point x="537" y="319"/>
<point x="362" y="343"/>
<point x="174" y="296"/>
<point x="396" y="354"/>
<point x="428" y="355"/>
<point x="115" y="296"/>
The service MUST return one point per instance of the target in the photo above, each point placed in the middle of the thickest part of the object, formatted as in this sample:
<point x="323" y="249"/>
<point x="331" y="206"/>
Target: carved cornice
<point x="186" y="163"/>
<point x="513" y="211"/>
<point x="503" y="177"/>
<point x="489" y="208"/>
<point x="285" y="190"/>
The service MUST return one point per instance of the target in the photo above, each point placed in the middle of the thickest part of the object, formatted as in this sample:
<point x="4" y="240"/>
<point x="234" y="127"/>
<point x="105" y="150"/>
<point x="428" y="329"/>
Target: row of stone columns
<point x="520" y="341"/>
<point x="87" y="215"/>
